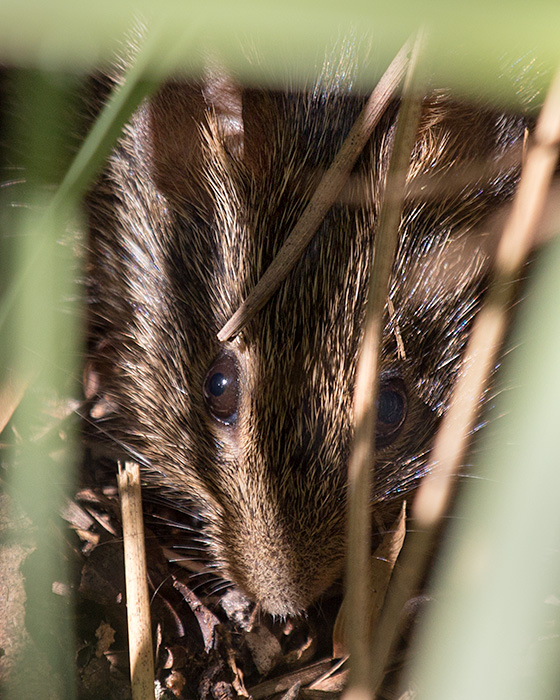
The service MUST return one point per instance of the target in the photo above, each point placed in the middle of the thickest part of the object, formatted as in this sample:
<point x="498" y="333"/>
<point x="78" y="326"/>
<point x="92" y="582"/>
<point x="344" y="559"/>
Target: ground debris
<point x="210" y="642"/>
<point x="208" y="645"/>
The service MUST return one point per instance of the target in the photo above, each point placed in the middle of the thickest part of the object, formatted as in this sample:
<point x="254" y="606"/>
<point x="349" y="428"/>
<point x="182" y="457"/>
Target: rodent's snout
<point x="284" y="567"/>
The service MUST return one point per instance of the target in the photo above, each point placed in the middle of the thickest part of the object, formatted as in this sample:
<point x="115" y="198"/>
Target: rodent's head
<point x="202" y="190"/>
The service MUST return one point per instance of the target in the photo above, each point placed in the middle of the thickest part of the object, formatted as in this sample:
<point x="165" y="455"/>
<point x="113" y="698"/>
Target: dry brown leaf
<point x="265" y="649"/>
<point x="105" y="637"/>
<point x="278" y="685"/>
<point x="332" y="684"/>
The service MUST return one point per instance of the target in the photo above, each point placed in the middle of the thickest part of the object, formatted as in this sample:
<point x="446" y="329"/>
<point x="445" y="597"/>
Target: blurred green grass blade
<point x="488" y="634"/>
<point x="40" y="131"/>
<point x="153" y="60"/>
<point x="134" y="86"/>
<point x="467" y="37"/>
<point x="105" y="131"/>
<point x="42" y="345"/>
<point x="42" y="475"/>
<point x="41" y="339"/>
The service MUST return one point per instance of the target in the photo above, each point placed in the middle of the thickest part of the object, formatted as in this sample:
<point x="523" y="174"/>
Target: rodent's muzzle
<point x="282" y="564"/>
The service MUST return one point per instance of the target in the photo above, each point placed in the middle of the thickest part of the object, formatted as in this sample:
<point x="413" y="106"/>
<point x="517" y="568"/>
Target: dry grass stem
<point x="324" y="197"/>
<point x="517" y="240"/>
<point x="382" y="563"/>
<point x="137" y="599"/>
<point x="365" y="393"/>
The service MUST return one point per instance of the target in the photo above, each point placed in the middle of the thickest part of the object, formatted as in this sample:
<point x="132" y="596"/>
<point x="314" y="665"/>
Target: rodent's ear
<point x="169" y="131"/>
<point x="182" y="127"/>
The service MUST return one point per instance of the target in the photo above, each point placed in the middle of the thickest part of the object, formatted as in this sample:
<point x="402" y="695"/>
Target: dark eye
<point x="221" y="389"/>
<point x="392" y="406"/>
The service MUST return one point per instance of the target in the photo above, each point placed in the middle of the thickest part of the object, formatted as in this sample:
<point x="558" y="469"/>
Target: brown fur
<point x="195" y="201"/>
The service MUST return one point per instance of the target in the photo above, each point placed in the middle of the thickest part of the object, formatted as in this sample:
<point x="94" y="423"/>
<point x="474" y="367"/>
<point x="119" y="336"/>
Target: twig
<point x="401" y="354"/>
<point x="324" y="197"/>
<point x="365" y="394"/>
<point x="137" y="599"/>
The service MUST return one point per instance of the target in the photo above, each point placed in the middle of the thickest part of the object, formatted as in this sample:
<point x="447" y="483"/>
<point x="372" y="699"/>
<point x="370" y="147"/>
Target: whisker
<point x="223" y="586"/>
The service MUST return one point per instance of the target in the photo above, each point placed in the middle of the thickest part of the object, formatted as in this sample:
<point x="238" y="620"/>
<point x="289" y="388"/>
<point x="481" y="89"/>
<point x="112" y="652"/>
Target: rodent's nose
<point x="284" y="570"/>
<point x="282" y="588"/>
<point x="281" y="601"/>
